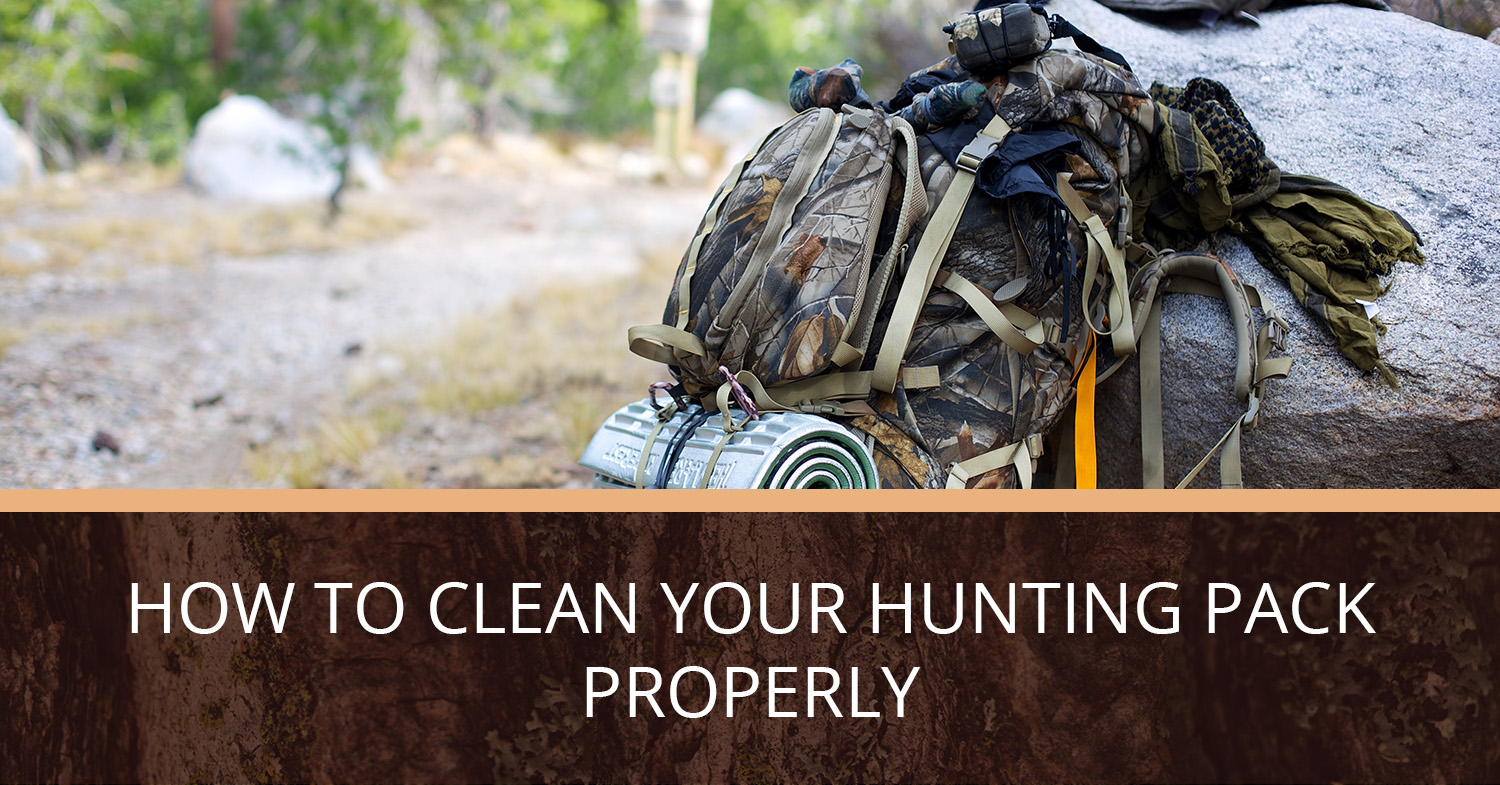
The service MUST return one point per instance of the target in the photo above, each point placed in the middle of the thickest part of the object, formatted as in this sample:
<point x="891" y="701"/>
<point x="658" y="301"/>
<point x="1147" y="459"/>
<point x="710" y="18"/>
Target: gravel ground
<point x="184" y="367"/>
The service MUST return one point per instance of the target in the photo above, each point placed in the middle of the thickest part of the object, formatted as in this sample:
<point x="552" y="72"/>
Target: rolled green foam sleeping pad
<point x="779" y="450"/>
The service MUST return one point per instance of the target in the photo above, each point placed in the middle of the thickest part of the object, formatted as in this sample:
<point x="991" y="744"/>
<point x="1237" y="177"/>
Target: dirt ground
<point x="464" y="327"/>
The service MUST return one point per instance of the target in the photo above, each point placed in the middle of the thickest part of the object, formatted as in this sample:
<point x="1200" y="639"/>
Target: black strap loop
<point x="1062" y="28"/>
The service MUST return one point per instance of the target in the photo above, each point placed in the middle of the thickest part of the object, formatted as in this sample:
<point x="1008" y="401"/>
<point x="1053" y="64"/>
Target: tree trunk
<point x="225" y="23"/>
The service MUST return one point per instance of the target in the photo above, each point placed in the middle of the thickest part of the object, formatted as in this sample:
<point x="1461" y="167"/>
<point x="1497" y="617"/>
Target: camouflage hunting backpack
<point x="917" y="285"/>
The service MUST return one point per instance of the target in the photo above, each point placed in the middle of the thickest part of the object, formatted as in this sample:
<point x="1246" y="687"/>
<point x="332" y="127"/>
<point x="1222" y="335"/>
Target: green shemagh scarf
<point x="1327" y="243"/>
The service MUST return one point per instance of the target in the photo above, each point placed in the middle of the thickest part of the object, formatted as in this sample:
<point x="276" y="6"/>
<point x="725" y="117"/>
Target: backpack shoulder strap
<point x="1206" y="275"/>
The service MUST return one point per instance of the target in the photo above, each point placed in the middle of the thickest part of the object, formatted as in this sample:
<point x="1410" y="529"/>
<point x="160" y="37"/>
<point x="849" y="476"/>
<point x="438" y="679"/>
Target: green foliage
<point x="163" y="80"/>
<point x="54" y="60"/>
<point x="574" y="64"/>
<point x="340" y="60"/>
<point x="756" y="44"/>
<point x="130" y="78"/>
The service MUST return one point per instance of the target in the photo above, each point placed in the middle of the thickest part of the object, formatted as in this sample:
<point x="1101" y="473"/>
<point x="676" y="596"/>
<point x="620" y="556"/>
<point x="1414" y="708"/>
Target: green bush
<point x="128" y="79"/>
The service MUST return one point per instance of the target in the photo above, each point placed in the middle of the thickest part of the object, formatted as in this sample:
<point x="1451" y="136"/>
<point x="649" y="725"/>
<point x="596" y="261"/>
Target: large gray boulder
<point x="20" y="162"/>
<point x="245" y="150"/>
<point x="1402" y="112"/>
<point x="737" y="118"/>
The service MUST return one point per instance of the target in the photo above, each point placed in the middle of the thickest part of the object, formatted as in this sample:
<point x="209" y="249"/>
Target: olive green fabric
<point x="1330" y="246"/>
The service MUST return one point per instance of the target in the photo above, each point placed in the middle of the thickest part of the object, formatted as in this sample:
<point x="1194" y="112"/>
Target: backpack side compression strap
<point x="1121" y="330"/>
<point x="710" y="222"/>
<point x="913" y="205"/>
<point x="809" y="160"/>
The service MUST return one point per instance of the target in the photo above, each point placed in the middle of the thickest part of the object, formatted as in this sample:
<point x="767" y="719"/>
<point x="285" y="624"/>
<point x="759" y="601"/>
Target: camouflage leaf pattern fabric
<point x="944" y="105"/>
<point x="795" y="315"/>
<point x="1095" y="100"/>
<point x="827" y="87"/>
<point x="789" y="326"/>
<point x="991" y="395"/>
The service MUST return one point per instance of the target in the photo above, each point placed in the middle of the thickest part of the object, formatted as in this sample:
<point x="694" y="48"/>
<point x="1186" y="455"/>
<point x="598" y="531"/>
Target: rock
<point x="365" y="169"/>
<point x="243" y="149"/>
<point x="25" y="252"/>
<point x="104" y="440"/>
<point x="1367" y="99"/>
<point x="20" y="162"/>
<point x="1494" y="36"/>
<point x="737" y="118"/>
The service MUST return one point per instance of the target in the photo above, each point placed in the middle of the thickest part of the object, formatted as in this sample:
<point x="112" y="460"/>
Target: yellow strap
<point x="924" y="264"/>
<point x="1085" y="460"/>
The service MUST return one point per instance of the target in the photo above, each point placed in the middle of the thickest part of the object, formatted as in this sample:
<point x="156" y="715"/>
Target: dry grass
<point x="339" y="442"/>
<point x="8" y="338"/>
<point x="96" y="215"/>
<point x="100" y="326"/>
<point x="548" y="369"/>
<point x="205" y="231"/>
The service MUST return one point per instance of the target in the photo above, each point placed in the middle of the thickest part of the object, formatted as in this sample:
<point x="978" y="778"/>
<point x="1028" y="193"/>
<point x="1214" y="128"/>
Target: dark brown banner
<point x="749" y="647"/>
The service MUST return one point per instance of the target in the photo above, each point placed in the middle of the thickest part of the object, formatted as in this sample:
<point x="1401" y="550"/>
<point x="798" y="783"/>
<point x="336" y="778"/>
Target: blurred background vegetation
<point x="127" y="79"/>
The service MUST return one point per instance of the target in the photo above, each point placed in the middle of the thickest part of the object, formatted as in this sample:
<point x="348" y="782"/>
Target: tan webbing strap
<point x="661" y="422"/>
<point x="1153" y="460"/>
<point x="713" y="458"/>
<point x="1005" y="321"/>
<point x="814" y="153"/>
<point x="1229" y="461"/>
<point x="1121" y="330"/>
<point x="664" y="344"/>
<point x="913" y="205"/>
<point x="845" y="354"/>
<point x="1198" y="275"/>
<point x="709" y="220"/>
<point x="914" y="200"/>
<point x="1272" y="368"/>
<point x="730" y="428"/>
<point x="920" y="377"/>
<point x="817" y="392"/>
<point x="929" y="255"/>
<point x="1021" y="454"/>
